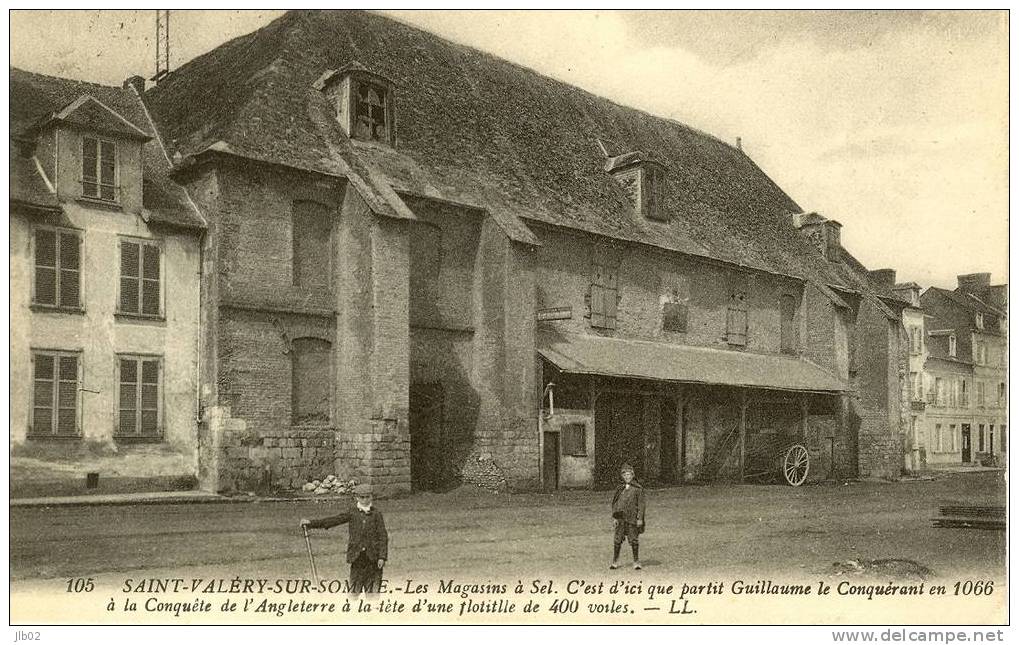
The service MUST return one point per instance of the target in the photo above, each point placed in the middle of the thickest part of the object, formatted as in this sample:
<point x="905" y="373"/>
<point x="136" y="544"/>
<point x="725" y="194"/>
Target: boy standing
<point x="628" y="515"/>
<point x="367" y="544"/>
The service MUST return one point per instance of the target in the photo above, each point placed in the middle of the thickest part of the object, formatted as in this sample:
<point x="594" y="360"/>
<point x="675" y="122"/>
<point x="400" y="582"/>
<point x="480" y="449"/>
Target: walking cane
<point x="311" y="555"/>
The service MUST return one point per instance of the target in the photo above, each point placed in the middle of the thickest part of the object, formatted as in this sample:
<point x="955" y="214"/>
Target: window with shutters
<point x="736" y="318"/>
<point x="99" y="169"/>
<point x="604" y="294"/>
<point x="371" y="112"/>
<point x="574" y="437"/>
<point x="55" y="394"/>
<point x="57" y="280"/>
<point x="788" y="328"/>
<point x="139" y="396"/>
<point x="312" y="259"/>
<point x="981" y="396"/>
<point x="964" y="400"/>
<point x="140" y="288"/>
<point x="311" y="384"/>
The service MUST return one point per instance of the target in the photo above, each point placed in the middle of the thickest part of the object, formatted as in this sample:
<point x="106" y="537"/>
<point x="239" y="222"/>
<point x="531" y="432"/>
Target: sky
<point x="893" y="123"/>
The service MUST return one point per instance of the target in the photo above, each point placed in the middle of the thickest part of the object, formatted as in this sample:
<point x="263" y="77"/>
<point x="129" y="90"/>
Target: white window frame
<point x="141" y="242"/>
<point x="99" y="161"/>
<point x="56" y="354"/>
<point x="160" y="389"/>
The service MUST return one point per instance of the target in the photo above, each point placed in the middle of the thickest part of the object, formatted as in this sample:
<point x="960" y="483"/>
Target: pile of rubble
<point x="330" y="485"/>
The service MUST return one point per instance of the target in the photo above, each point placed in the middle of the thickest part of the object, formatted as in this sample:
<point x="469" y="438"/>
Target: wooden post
<point x="742" y="432"/>
<point x="804" y="410"/>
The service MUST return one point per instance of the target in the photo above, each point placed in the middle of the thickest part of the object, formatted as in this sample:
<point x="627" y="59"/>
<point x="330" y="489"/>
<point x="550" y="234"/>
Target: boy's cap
<point x="626" y="468"/>
<point x="362" y="490"/>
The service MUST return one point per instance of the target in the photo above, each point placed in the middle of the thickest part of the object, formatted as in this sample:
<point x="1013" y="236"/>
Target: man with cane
<point x="367" y="543"/>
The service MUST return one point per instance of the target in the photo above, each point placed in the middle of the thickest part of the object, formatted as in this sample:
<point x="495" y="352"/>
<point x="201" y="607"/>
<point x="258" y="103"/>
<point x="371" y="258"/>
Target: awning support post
<point x="804" y="410"/>
<point x="742" y="432"/>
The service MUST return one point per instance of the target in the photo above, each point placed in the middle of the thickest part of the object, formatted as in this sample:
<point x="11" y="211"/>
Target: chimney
<point x="883" y="277"/>
<point x="137" y="83"/>
<point x="975" y="283"/>
<point x="739" y="143"/>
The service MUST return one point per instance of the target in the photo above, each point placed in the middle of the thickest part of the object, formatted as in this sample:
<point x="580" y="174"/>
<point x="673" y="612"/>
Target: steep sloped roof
<point x="27" y="185"/>
<point x="479" y="130"/>
<point x="36" y="99"/>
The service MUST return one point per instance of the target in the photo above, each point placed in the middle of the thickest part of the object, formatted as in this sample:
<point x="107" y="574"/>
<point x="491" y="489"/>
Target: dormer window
<point x="642" y="180"/>
<point x="99" y="169"/>
<point x="951" y="346"/>
<point x="980" y="321"/>
<point x="372" y="122"/>
<point x="363" y="100"/>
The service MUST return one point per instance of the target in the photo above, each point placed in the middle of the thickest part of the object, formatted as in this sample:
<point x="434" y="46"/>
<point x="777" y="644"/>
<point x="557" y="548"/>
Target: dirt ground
<point x="717" y="531"/>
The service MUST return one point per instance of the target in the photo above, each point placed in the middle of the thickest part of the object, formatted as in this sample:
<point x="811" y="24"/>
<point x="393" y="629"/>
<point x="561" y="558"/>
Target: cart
<point x="777" y="457"/>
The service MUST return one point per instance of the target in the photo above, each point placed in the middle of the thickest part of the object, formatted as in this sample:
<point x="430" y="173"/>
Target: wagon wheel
<point x="796" y="465"/>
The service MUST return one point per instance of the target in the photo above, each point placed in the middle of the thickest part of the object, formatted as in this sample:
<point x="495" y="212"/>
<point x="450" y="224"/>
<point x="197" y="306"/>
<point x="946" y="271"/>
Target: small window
<point x="99" y="169"/>
<point x="55" y="394"/>
<point x="140" y="278"/>
<point x="939" y="389"/>
<point x="916" y="386"/>
<point x="653" y="193"/>
<point x="57" y="268"/>
<point x="938" y="438"/>
<point x="140" y="412"/>
<point x="312" y="228"/>
<point x="574" y="437"/>
<point x="1001" y="395"/>
<point x="371" y="113"/>
<point x="981" y="354"/>
<point x="951" y="437"/>
<point x="311" y="381"/>
<point x="674" y="316"/>
<point x="980" y="321"/>
<point x="915" y="340"/>
<point x="951" y="345"/>
<point x="980" y="438"/>
<point x="788" y="329"/>
<point x="604" y="295"/>
<point x="981" y="396"/>
<point x="736" y="319"/>
<point x="964" y="401"/>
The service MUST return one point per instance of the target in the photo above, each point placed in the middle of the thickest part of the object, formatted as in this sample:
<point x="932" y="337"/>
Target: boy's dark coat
<point x="640" y="505"/>
<point x="367" y="533"/>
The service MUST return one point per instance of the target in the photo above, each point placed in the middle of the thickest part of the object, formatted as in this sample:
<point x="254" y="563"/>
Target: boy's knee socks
<point x="615" y="551"/>
<point x="636" y="551"/>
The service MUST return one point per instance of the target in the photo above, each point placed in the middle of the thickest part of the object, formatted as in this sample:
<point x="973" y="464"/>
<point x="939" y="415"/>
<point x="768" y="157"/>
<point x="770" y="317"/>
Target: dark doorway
<point x="427" y="453"/>
<point x="618" y="437"/>
<point x="668" y="449"/>
<point x="550" y="461"/>
<point x="967" y="453"/>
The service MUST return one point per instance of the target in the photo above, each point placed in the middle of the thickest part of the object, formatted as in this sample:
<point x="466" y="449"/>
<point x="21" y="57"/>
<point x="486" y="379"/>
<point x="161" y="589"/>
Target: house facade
<point x="104" y="263"/>
<point x="966" y="372"/>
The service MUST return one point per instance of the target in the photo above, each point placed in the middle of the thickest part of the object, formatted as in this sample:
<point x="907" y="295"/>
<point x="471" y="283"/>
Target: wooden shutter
<point x="130" y="274"/>
<point x="43" y="392"/>
<point x="67" y="396"/>
<point x="45" y="267"/>
<point x="70" y="269"/>
<point x="150" y="279"/>
<point x="107" y="171"/>
<point x="128" y="406"/>
<point x="149" y="398"/>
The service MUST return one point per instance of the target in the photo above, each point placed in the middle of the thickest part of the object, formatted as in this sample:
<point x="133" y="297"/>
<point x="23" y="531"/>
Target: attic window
<point x="654" y="193"/>
<point x="980" y="321"/>
<point x="371" y="114"/>
<point x="99" y="169"/>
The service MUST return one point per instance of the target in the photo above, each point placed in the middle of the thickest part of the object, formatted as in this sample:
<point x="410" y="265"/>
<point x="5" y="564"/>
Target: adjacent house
<point x="966" y="372"/>
<point x="104" y="261"/>
<point x="426" y="265"/>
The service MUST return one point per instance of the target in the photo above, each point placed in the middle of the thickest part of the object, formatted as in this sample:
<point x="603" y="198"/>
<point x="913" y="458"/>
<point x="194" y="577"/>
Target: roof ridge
<point x="65" y="79"/>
